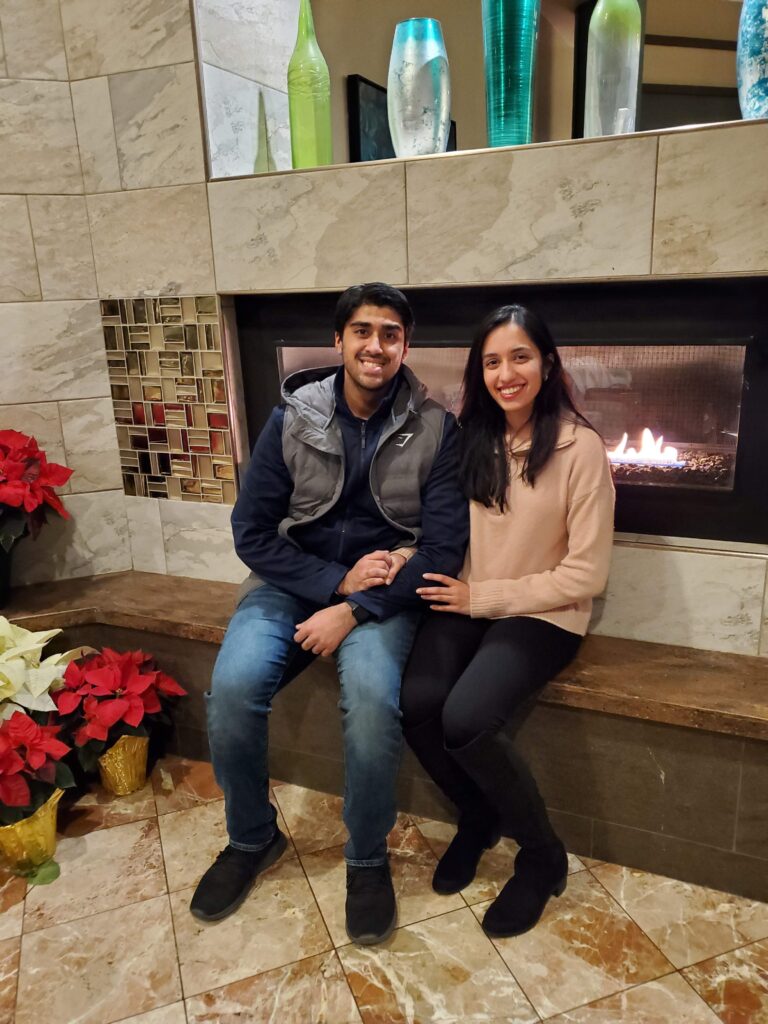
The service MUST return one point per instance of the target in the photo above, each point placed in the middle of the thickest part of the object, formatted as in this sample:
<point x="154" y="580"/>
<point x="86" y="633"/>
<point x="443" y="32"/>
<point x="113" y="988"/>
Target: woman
<point x="541" y="530"/>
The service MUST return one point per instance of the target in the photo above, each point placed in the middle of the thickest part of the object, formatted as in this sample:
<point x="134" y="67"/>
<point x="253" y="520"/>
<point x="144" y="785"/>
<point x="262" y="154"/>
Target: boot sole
<point x="506" y="933"/>
<point x="373" y="940"/>
<point x="274" y="855"/>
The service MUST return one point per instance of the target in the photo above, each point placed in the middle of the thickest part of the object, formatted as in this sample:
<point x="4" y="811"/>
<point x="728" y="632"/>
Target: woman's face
<point x="512" y="371"/>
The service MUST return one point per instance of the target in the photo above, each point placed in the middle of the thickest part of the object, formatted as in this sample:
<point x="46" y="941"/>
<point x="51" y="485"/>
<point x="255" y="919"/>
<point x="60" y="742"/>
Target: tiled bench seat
<point x="647" y="754"/>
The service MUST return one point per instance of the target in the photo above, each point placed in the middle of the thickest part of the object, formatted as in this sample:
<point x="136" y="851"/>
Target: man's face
<point x="373" y="347"/>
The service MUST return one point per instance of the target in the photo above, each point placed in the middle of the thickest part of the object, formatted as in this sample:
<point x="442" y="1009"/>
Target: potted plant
<point x="108" y="705"/>
<point x="27" y="482"/>
<point x="26" y="678"/>
<point x="32" y="778"/>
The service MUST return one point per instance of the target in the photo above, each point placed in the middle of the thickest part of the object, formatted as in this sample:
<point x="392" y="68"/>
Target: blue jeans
<point x="257" y="658"/>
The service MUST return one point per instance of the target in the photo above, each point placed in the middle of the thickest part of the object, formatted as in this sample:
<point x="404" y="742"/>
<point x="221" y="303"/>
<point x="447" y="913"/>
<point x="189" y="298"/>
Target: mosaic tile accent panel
<point x="166" y="375"/>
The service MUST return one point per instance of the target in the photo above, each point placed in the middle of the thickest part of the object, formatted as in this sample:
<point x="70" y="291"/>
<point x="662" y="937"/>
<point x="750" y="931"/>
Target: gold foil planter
<point x="123" y="767"/>
<point x="28" y="843"/>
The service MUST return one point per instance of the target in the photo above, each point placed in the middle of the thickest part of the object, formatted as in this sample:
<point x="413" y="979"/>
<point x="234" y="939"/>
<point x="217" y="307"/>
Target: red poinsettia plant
<point x="27" y="481"/>
<point x="112" y="694"/>
<point x="30" y="766"/>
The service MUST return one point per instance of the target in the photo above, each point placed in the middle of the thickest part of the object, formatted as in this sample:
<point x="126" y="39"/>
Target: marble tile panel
<point x="313" y="818"/>
<point x="93" y="541"/>
<point x="100" y="968"/>
<point x="310" y="230"/>
<point x="192" y="839"/>
<point x="3" y="67"/>
<point x="90" y="442"/>
<point x="18" y="270"/>
<point x="735" y="984"/>
<point x="63" y="247"/>
<point x="495" y="868"/>
<point x="146" y="532"/>
<point x="34" y="40"/>
<point x="313" y="990"/>
<point x="412" y="863"/>
<point x="443" y="969"/>
<point x="152" y="241"/>
<point x="700" y="226"/>
<point x="96" y="134"/>
<point x="37" y="138"/>
<point x="708" y="601"/>
<point x="584" y="948"/>
<point x="687" y="922"/>
<point x="668" y="999"/>
<point x="531" y="214"/>
<point x="104" y="37"/>
<point x="157" y="126"/>
<point x="9" y="969"/>
<point x="247" y="124"/>
<point x="198" y="541"/>
<point x="173" y="1013"/>
<point x="180" y="783"/>
<point x="51" y="350"/>
<point x="98" y="809"/>
<point x="12" y="890"/>
<point x="104" y="870"/>
<point x="278" y="924"/>
<point x="252" y="38"/>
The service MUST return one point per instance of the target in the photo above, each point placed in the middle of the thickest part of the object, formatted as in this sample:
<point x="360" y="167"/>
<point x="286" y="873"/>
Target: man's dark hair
<point x="374" y="293"/>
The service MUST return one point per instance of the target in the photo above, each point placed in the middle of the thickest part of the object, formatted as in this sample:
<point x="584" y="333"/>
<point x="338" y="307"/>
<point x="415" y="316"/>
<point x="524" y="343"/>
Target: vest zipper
<point x="362" y="434"/>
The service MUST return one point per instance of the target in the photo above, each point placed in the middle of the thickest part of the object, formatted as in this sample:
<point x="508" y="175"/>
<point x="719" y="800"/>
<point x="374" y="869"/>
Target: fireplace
<point x="673" y="374"/>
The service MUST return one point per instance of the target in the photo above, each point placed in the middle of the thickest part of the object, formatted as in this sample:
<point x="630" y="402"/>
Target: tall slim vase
<point x="419" y="89"/>
<point x="510" y="30"/>
<point x="752" y="59"/>
<point x="309" y="97"/>
<point x="613" y="66"/>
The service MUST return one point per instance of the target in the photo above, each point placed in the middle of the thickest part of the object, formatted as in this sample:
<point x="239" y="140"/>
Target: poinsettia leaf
<point x="88" y="755"/>
<point x="64" y="778"/>
<point x="66" y="701"/>
<point x="47" y="772"/>
<point x="45" y="874"/>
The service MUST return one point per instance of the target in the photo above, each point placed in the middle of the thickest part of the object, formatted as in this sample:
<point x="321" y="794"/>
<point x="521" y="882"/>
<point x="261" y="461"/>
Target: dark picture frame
<point x="368" y="122"/>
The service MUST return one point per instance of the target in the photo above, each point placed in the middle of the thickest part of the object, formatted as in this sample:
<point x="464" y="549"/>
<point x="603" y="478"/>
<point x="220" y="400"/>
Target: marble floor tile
<point x="412" y="863"/>
<point x="171" y="1014"/>
<point x="179" y="783"/>
<point x="584" y="948"/>
<point x="12" y="890"/>
<point x="100" y="968"/>
<point x="278" y="924"/>
<point x="193" y="838"/>
<point x="314" y="819"/>
<point x="735" y="984"/>
<point x="687" y="922"/>
<point x="102" y="871"/>
<point x="496" y="865"/>
<point x="313" y="990"/>
<point x="666" y="1001"/>
<point x="9" y="970"/>
<point x="443" y="969"/>
<point x="99" y="809"/>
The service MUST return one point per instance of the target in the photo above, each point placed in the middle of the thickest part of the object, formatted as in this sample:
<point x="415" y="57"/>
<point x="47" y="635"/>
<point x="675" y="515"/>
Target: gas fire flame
<point x="651" y="452"/>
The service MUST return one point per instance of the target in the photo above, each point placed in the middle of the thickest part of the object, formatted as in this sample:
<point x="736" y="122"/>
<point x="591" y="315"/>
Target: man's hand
<point x="371" y="571"/>
<point x="452" y="596"/>
<point x="322" y="632"/>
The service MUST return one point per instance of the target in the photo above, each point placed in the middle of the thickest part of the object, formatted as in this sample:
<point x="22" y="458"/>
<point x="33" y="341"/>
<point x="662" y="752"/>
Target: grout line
<point x="738" y="797"/>
<point x="34" y="248"/>
<point x="653" y="209"/>
<point x="627" y="914"/>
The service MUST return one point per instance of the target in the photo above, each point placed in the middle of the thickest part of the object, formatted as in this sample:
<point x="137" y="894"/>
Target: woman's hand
<point x="452" y="596"/>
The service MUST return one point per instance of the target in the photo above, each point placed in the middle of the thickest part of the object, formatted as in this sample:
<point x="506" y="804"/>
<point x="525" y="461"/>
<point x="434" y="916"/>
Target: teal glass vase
<point x="613" y="66"/>
<point x="752" y="59"/>
<point x="510" y="29"/>
<point x="309" y="97"/>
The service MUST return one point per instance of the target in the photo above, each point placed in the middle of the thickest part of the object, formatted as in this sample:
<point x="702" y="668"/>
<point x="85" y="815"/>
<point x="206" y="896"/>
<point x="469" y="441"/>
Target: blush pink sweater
<point x="549" y="553"/>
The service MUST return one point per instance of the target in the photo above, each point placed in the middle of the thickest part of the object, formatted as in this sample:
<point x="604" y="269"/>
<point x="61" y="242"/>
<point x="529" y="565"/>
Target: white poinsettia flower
<point x="17" y="642"/>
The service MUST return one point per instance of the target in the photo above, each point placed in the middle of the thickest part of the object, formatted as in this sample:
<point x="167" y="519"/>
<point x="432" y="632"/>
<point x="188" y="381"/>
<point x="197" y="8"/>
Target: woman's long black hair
<point x="483" y="467"/>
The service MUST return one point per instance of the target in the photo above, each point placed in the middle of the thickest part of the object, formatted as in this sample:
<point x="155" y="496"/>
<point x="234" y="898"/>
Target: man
<point x="350" y="468"/>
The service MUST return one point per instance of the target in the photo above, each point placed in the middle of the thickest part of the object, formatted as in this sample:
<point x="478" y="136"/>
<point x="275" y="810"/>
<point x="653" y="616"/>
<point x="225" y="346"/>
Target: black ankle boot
<point x="540" y="872"/>
<point x="457" y="867"/>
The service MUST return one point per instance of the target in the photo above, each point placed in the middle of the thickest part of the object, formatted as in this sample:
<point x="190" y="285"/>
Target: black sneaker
<point x="371" y="908"/>
<point x="230" y="878"/>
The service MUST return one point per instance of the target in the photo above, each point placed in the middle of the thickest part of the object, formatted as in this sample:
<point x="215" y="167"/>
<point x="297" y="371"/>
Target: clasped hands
<point x="322" y="632"/>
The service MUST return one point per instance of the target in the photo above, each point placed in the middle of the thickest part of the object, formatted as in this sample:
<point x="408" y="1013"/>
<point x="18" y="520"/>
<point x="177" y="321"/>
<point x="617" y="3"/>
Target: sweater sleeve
<point x="582" y="574"/>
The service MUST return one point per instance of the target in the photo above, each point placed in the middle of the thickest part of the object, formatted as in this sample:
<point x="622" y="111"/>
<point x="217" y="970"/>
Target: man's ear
<point x="337" y="341"/>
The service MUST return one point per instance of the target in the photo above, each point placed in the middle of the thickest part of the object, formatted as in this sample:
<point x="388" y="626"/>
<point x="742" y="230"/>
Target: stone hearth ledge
<point x="721" y="693"/>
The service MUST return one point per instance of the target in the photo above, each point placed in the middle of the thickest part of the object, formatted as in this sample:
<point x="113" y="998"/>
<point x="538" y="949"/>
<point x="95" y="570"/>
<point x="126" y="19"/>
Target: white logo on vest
<point x="405" y="439"/>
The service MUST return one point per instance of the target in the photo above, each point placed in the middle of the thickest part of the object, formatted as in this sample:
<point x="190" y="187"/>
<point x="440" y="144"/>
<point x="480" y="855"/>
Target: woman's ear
<point x="546" y="367"/>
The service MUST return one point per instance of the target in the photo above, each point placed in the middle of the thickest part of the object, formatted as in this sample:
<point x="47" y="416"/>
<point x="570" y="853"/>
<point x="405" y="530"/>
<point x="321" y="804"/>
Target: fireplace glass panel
<point x="682" y="400"/>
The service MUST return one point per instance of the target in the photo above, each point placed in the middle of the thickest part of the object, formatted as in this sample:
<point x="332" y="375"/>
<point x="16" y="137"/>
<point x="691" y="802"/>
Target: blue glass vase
<point x="752" y="59"/>
<point x="419" y="89"/>
<point x="510" y="28"/>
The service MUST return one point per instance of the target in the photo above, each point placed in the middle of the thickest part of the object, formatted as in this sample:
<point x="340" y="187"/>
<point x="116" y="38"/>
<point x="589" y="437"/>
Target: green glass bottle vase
<point x="309" y="97"/>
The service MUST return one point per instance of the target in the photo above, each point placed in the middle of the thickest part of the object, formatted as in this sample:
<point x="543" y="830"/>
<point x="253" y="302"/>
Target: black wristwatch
<point x="359" y="613"/>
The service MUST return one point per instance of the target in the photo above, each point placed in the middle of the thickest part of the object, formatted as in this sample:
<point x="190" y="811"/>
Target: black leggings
<point x="466" y="681"/>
